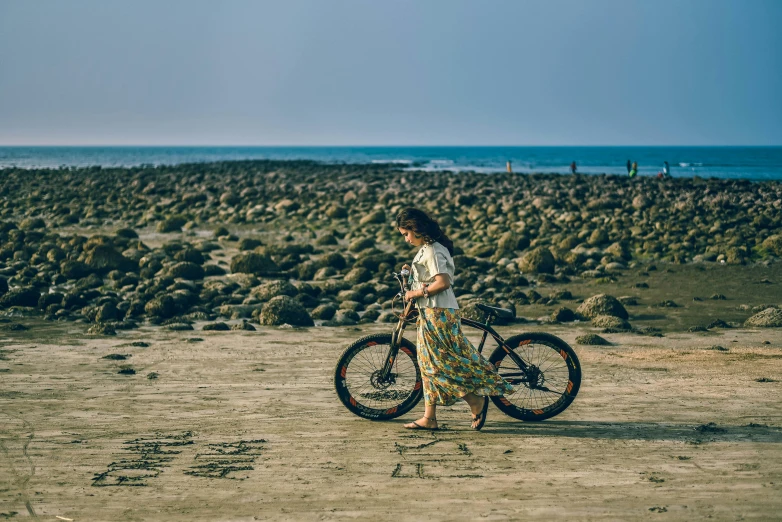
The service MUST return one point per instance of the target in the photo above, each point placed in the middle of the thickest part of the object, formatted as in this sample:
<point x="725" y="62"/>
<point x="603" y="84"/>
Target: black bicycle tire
<point x="574" y="377"/>
<point x="354" y="406"/>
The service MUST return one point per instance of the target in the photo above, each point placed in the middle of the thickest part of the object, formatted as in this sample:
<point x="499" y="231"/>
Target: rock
<point x="103" y="259"/>
<point x="221" y="232"/>
<point x="284" y="309"/>
<point x="243" y="326"/>
<point x="362" y="243"/>
<point x="20" y="297"/>
<point x="162" y="307"/>
<point x="773" y="244"/>
<point x="13" y="327"/>
<point x="272" y="289"/>
<point x="179" y="327"/>
<point x="3" y="286"/>
<point x="334" y="260"/>
<point x="127" y="233"/>
<point x="768" y="318"/>
<point x="190" y="255"/>
<point x="254" y="263"/>
<point x="343" y="318"/>
<point x="324" y="312"/>
<point x="377" y="216"/>
<point x="326" y="240"/>
<point x="602" y="304"/>
<point x="171" y="224"/>
<point x="73" y="269"/>
<point x="249" y="243"/>
<point x="592" y="339"/>
<point x="336" y="211"/>
<point x="102" y="329"/>
<point x="537" y="260"/>
<point x="107" y="312"/>
<point x="186" y="270"/>
<point x="357" y="276"/>
<point x="610" y="321"/>
<point x="32" y="224"/>
<point x="641" y="202"/>
<point x="698" y="328"/>
<point x="216" y="327"/>
<point x="563" y="315"/>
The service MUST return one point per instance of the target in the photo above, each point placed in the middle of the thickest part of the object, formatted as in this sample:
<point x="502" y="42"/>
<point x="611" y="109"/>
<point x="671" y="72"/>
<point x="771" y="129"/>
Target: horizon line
<point x="364" y="146"/>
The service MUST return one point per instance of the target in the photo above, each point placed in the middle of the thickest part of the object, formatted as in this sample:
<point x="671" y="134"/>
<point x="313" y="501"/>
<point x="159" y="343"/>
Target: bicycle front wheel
<point x="548" y="385"/>
<point x="357" y="378"/>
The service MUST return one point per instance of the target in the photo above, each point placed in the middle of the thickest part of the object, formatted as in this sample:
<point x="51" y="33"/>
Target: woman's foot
<point x="478" y="406"/>
<point x="424" y="423"/>
<point x="480" y="419"/>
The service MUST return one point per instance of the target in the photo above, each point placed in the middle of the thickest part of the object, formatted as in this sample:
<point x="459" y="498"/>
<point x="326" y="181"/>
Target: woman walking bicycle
<point x="451" y="367"/>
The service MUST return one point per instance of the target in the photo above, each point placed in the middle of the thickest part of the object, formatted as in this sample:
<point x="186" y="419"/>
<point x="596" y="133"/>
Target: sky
<point x="402" y="72"/>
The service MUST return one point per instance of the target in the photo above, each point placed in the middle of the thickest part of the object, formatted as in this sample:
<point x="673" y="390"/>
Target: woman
<point x="451" y="367"/>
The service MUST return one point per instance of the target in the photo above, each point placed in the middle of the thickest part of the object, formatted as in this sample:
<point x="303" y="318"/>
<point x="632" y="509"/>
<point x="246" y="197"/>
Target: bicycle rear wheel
<point x="356" y="378"/>
<point x="548" y="386"/>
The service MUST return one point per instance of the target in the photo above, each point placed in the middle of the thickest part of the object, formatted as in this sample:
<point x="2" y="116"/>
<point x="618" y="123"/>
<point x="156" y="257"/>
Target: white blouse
<point x="433" y="259"/>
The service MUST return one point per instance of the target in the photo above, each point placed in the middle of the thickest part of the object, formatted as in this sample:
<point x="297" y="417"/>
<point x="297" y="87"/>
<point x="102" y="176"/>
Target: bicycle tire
<point x="365" y="398"/>
<point x="557" y="381"/>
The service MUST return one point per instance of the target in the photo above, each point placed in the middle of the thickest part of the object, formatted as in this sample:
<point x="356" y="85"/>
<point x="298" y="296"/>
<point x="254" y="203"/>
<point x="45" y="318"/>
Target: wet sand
<point x="246" y="426"/>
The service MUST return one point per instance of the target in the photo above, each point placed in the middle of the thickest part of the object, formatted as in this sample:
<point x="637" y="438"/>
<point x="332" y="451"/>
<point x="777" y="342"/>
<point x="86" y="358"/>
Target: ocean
<point x="753" y="163"/>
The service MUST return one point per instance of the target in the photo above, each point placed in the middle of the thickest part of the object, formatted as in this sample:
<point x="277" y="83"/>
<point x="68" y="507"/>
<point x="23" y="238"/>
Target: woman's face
<point x="410" y="237"/>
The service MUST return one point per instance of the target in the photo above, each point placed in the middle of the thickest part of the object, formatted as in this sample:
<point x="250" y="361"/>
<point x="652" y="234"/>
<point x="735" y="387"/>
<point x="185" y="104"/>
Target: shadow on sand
<point x="694" y="433"/>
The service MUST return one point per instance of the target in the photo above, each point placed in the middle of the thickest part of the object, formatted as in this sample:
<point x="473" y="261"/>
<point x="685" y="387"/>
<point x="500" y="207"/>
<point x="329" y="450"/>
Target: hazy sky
<point x="373" y="72"/>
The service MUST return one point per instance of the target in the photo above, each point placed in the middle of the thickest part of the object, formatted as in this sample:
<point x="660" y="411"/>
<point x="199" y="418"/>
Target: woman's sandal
<point x="481" y="417"/>
<point x="416" y="426"/>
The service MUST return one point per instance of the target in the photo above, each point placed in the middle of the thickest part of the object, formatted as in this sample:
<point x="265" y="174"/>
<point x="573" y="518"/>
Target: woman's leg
<point x="429" y="420"/>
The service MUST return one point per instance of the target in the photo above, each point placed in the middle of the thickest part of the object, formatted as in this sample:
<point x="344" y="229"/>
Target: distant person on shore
<point x="633" y="170"/>
<point x="509" y="168"/>
<point x="573" y="168"/>
<point x="629" y="167"/>
<point x="666" y="170"/>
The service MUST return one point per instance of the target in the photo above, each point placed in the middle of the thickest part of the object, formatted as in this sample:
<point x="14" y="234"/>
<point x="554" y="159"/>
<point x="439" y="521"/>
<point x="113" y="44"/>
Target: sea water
<point x="754" y="163"/>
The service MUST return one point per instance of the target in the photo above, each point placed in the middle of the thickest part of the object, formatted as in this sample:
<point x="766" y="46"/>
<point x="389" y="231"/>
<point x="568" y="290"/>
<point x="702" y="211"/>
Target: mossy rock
<point x="20" y="297"/>
<point x="610" y="321"/>
<point x="216" y="327"/>
<point x="773" y="244"/>
<point x="272" y="289"/>
<point x="186" y="270"/>
<point x="592" y="340"/>
<point x="539" y="260"/>
<point x="284" y="310"/>
<point x="768" y="318"/>
<point x="104" y="258"/>
<point x="254" y="263"/>
<point x="602" y="304"/>
<point x="171" y="224"/>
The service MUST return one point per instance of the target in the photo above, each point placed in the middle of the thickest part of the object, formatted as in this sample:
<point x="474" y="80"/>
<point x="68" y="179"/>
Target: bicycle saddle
<point x="502" y="313"/>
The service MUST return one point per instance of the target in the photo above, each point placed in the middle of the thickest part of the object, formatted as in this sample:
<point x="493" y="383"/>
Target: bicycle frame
<point x="410" y="313"/>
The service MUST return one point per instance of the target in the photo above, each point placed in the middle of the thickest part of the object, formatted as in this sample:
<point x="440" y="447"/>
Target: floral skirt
<point x="451" y="366"/>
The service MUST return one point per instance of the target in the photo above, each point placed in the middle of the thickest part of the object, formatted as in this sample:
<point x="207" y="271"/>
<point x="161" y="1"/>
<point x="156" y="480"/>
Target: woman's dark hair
<point x="420" y="223"/>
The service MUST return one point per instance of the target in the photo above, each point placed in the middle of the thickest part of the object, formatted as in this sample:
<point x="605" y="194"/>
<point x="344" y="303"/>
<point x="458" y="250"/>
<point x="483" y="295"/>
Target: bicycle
<point x="378" y="377"/>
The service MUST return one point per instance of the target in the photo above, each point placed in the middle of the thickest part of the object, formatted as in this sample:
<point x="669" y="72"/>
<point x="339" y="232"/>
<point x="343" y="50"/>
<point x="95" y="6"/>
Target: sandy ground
<point x="246" y="426"/>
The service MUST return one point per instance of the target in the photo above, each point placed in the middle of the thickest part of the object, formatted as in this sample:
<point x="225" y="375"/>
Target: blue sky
<point x="417" y="72"/>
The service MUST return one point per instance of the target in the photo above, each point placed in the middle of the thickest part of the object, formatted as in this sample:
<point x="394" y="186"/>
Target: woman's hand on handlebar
<point x="412" y="294"/>
<point x="405" y="267"/>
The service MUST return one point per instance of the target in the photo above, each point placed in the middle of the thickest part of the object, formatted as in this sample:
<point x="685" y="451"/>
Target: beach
<point x="168" y="337"/>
